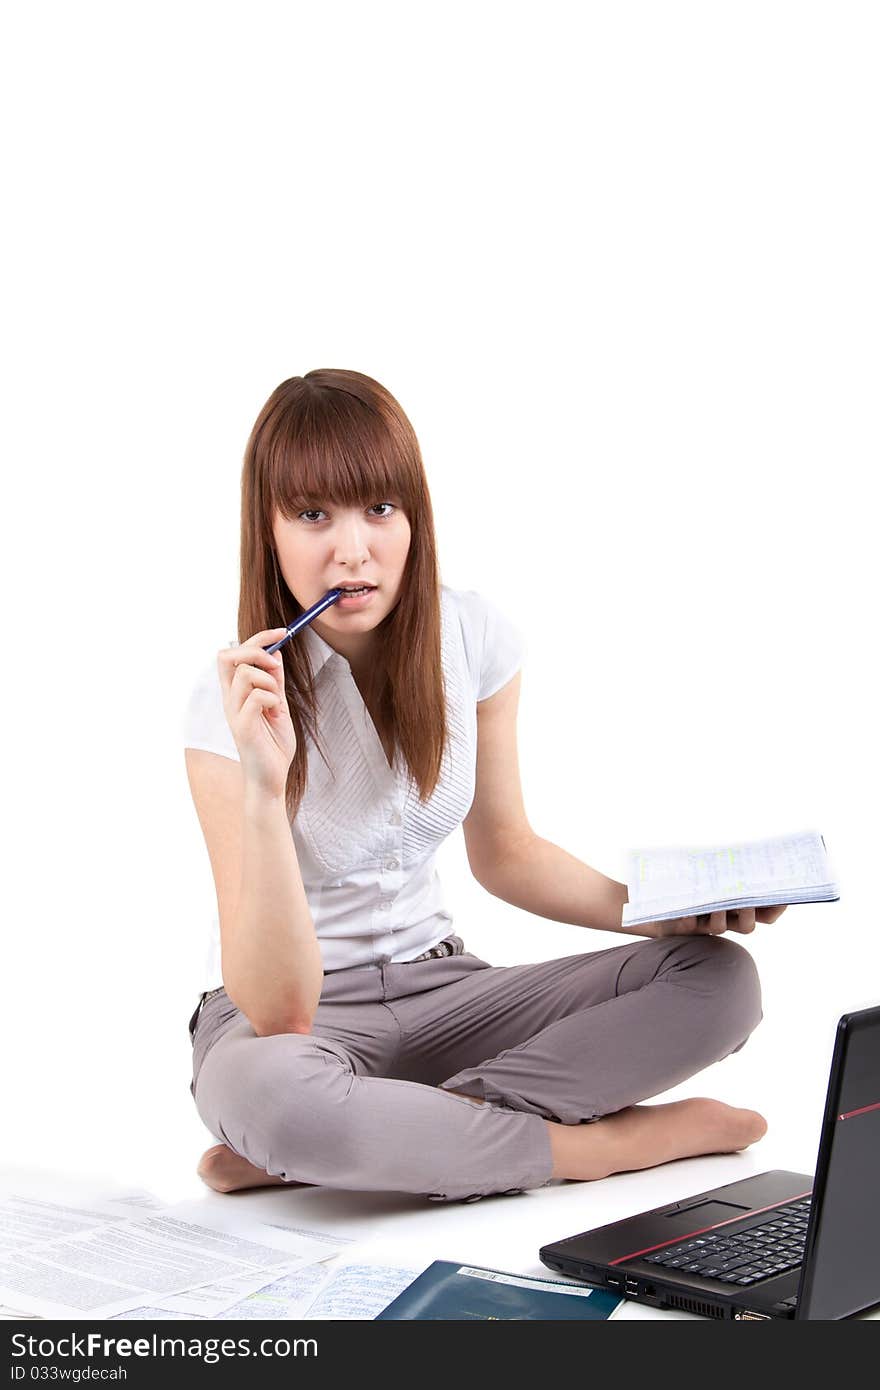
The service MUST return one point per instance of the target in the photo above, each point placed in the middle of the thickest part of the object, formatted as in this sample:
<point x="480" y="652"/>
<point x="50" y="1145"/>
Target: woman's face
<point x="328" y="546"/>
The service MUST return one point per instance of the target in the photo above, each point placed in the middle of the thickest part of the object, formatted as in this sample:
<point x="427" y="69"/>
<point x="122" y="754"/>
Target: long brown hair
<point x="340" y="436"/>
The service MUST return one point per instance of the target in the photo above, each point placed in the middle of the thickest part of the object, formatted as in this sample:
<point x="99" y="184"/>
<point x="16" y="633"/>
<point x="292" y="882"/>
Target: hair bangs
<point x="337" y="450"/>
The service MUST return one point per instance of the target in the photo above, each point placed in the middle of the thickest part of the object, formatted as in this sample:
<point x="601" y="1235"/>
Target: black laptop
<point x="776" y="1245"/>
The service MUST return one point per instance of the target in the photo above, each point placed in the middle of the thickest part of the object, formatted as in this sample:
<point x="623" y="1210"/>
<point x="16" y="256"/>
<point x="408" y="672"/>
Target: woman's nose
<point x="351" y="540"/>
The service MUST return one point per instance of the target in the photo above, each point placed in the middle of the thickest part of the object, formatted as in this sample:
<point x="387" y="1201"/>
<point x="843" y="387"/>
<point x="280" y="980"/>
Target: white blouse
<point x="364" y="842"/>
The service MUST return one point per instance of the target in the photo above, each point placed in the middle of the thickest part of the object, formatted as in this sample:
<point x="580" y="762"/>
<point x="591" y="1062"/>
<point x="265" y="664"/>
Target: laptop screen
<point x="841" y="1273"/>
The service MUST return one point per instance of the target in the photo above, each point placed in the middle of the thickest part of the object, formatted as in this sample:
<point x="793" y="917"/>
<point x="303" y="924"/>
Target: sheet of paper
<point x="75" y="1205"/>
<point x="123" y="1264"/>
<point x="147" y="1314"/>
<point x="27" y="1219"/>
<point x="249" y="1294"/>
<point x="359" y="1285"/>
<point x="279" y="1300"/>
<point x="139" y="1197"/>
<point x="353" y="1285"/>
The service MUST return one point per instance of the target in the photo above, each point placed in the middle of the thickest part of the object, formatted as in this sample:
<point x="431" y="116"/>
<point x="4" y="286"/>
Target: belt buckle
<point x="443" y="948"/>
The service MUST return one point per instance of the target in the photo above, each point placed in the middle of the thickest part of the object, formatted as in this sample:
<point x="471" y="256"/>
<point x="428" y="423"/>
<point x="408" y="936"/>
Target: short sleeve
<point x="495" y="646"/>
<point x="204" y="719"/>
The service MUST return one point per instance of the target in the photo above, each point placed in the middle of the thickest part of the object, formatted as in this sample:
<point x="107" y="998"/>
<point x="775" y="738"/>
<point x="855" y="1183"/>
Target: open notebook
<point x="668" y="883"/>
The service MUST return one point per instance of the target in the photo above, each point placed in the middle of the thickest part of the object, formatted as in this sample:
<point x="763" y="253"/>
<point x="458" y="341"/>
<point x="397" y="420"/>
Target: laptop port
<point x="748" y="1316"/>
<point x="614" y="1281"/>
<point x="630" y="1286"/>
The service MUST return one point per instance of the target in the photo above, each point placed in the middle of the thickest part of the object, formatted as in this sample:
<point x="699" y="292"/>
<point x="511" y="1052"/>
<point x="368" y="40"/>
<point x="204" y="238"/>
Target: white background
<point x="618" y="263"/>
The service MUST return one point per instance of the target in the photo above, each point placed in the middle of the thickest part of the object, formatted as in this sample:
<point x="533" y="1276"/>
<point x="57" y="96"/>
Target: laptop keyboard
<point x="744" y="1257"/>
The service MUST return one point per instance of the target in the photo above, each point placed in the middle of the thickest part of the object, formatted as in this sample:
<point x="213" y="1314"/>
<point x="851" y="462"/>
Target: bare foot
<point x="641" y="1136"/>
<point x="226" y="1171"/>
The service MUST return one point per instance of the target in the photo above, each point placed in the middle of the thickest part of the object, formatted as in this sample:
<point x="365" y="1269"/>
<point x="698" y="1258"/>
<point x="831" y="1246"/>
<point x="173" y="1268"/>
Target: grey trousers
<point x="363" y="1101"/>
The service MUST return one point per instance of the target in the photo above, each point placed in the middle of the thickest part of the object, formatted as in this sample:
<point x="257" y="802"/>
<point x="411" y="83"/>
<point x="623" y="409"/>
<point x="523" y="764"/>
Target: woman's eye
<point x="311" y="512"/>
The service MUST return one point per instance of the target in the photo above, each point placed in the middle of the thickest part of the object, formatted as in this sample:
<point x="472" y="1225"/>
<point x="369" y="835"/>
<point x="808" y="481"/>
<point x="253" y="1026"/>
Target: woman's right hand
<point x="255" y="705"/>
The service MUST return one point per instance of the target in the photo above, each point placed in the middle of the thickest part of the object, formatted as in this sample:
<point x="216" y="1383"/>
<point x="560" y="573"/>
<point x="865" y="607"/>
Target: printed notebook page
<point x="666" y="880"/>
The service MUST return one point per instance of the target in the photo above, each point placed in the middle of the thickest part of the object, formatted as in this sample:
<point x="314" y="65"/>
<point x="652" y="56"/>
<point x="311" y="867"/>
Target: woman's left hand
<point x="711" y="923"/>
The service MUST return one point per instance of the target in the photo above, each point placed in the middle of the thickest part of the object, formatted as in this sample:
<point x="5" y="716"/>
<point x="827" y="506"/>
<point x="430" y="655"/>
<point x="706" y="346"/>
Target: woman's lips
<point x="354" y="600"/>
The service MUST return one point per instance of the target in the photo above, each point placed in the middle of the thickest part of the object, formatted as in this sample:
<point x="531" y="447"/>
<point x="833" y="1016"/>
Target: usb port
<point x="630" y="1286"/>
<point x="614" y="1281"/>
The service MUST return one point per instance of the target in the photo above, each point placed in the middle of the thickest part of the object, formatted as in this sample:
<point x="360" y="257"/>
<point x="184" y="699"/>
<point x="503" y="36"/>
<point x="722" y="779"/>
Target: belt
<point x="444" y="949"/>
<point x="201" y="1004"/>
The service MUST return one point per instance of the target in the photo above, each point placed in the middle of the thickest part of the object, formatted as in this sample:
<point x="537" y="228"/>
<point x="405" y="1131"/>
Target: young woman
<point x="350" y="1039"/>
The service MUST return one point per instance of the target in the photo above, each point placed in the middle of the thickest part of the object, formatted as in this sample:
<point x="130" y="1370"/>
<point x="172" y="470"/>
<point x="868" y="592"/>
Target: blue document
<point x="456" y="1292"/>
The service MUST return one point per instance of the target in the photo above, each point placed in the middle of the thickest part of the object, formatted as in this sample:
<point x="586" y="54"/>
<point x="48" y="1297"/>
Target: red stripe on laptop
<point x="864" y="1110"/>
<point x="676" y="1240"/>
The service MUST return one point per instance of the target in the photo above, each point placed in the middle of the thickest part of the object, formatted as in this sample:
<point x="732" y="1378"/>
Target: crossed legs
<point x="580" y="1039"/>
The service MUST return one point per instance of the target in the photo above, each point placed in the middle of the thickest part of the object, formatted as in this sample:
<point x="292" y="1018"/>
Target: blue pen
<point x="331" y="596"/>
